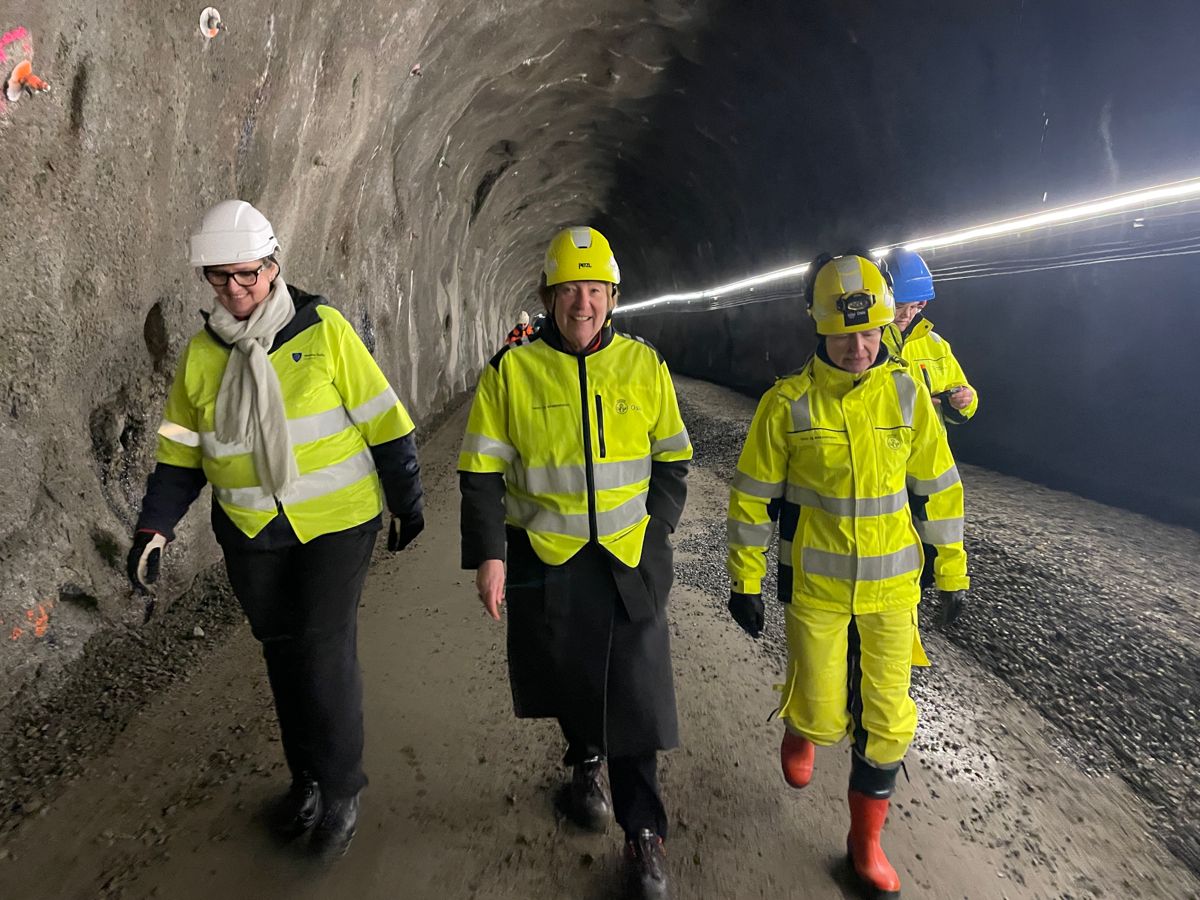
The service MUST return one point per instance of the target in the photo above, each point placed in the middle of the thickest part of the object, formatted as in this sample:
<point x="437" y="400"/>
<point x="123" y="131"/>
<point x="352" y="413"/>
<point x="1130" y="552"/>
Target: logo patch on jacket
<point x="624" y="406"/>
<point x="296" y="357"/>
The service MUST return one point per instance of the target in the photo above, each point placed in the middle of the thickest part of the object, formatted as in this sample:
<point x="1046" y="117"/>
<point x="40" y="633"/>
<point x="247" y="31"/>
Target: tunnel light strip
<point x="1173" y="192"/>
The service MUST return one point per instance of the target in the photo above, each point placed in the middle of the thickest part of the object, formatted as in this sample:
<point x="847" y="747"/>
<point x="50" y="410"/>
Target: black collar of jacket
<point x="306" y="316"/>
<point x="550" y="334"/>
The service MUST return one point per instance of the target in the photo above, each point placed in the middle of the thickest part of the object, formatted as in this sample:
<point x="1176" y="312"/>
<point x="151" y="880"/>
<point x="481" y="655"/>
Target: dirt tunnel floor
<point x="460" y="801"/>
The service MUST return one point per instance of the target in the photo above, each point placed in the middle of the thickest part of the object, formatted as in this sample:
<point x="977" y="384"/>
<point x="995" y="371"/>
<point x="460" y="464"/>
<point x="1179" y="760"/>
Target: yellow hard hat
<point x="849" y="294"/>
<point x="580" y="253"/>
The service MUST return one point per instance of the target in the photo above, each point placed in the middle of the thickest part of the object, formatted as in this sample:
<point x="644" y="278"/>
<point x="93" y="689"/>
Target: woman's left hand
<point x="489" y="582"/>
<point x="962" y="399"/>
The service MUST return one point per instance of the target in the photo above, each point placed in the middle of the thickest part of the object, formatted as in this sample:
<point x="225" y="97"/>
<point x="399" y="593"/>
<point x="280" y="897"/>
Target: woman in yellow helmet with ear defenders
<point x="573" y="469"/>
<point x="833" y="449"/>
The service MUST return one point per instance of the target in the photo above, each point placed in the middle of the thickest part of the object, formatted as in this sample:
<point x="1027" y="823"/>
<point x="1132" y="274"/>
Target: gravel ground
<point x="1090" y="614"/>
<point x="50" y="735"/>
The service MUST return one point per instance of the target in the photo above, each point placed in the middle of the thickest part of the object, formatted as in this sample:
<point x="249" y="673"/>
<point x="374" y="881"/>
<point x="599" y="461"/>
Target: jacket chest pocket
<point x="544" y="420"/>
<point x="820" y="453"/>
<point x="619" y="419"/>
<point x="894" y="446"/>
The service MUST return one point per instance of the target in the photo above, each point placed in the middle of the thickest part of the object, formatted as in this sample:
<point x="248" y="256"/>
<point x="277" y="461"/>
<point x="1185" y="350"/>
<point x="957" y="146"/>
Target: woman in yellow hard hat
<point x="834" y="450"/>
<point x="573" y="470"/>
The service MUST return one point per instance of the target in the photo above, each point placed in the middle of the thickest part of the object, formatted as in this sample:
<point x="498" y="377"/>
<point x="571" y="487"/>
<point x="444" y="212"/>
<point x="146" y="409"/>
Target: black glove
<point x="951" y="607"/>
<point x="747" y="611"/>
<point x="144" y="558"/>
<point x="405" y="532"/>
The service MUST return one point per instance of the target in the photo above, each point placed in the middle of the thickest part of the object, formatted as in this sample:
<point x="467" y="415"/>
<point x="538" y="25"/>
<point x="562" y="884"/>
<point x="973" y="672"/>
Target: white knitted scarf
<point x="250" y="408"/>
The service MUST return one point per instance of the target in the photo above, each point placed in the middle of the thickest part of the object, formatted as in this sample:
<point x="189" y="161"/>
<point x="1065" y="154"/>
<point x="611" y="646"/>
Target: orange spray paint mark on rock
<point x="42" y="622"/>
<point x="38" y="622"/>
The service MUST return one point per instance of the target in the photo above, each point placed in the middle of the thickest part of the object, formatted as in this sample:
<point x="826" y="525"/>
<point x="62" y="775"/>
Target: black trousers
<point x="302" y="603"/>
<point x="636" y="796"/>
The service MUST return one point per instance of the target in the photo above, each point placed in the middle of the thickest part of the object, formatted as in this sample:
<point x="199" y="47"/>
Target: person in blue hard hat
<point x="911" y="337"/>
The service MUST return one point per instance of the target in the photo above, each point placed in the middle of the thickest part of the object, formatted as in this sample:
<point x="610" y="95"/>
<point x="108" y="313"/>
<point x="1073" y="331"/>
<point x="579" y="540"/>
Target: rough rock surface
<point x="413" y="159"/>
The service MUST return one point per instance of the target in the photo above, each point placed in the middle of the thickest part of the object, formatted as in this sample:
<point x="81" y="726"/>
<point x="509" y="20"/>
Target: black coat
<point x="575" y="654"/>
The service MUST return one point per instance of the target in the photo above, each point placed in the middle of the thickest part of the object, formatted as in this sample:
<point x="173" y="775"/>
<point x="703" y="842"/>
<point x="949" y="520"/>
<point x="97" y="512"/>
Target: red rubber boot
<point x="867" y="815"/>
<point x="796" y="756"/>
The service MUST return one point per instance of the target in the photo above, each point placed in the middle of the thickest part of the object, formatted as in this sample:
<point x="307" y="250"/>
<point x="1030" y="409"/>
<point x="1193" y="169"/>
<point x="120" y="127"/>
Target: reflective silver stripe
<point x="573" y="479"/>
<point x="941" y="531"/>
<point x="906" y="391"/>
<point x="927" y="487"/>
<point x="749" y="535"/>
<point x="533" y="517"/>
<point x="381" y="402"/>
<point x="215" y="449"/>
<point x="765" y="490"/>
<point x="801" y="417"/>
<point x="302" y="430"/>
<point x="785" y="553"/>
<point x="678" y="441"/>
<point x="861" y="568"/>
<point x="845" y="506"/>
<point x="319" y="425"/>
<point x="308" y="486"/>
<point x="177" y="433"/>
<point x="486" y="446"/>
<point x="624" y="516"/>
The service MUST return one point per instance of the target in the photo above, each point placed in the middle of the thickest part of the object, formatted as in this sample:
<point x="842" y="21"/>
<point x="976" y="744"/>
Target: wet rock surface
<point x="1088" y="613"/>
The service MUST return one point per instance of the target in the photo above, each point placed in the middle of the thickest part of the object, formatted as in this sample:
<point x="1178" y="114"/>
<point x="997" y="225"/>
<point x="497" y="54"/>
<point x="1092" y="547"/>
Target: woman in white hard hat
<point x="573" y="470"/>
<point x="832" y="453"/>
<point x="279" y="405"/>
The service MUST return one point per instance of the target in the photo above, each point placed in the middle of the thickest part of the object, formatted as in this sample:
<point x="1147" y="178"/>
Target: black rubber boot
<point x="647" y="867"/>
<point x="299" y="809"/>
<point x="334" y="832"/>
<point x="587" y="802"/>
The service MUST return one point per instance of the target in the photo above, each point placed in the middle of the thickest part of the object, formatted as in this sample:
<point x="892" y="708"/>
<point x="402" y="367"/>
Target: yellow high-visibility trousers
<point x="849" y="676"/>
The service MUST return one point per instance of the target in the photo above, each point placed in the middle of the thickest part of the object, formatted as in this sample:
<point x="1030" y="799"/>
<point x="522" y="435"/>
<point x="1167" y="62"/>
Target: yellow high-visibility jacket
<point x="338" y="405"/>
<point x="933" y="363"/>
<point x="838" y="453"/>
<point x="574" y="437"/>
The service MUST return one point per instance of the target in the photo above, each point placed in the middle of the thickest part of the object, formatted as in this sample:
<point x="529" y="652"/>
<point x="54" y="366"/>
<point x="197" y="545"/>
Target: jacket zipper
<point x="600" y="425"/>
<point x="593" y="529"/>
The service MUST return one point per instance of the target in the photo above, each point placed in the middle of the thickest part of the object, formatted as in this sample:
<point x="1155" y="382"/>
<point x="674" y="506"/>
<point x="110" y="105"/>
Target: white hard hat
<point x="233" y="231"/>
<point x="523" y="318"/>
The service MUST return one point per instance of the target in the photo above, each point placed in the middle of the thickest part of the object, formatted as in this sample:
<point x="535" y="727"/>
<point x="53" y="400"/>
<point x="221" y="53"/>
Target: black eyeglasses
<point x="245" y="279"/>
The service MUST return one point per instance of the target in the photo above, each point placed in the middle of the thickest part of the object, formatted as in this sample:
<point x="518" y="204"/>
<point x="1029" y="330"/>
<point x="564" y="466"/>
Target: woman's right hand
<point x="489" y="582"/>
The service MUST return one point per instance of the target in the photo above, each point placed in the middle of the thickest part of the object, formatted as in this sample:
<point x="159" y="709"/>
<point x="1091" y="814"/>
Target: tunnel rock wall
<point x="413" y="158"/>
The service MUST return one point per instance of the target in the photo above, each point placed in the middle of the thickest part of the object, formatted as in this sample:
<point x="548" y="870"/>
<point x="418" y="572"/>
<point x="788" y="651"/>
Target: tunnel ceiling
<point x="416" y="157"/>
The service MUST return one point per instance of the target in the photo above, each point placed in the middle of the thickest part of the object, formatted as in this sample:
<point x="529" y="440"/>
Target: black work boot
<point x="647" y="867"/>
<point x="299" y="808"/>
<point x="333" y="834"/>
<point x="587" y="801"/>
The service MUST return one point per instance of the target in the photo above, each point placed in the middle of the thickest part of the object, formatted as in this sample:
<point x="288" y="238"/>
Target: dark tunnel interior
<point x="829" y="125"/>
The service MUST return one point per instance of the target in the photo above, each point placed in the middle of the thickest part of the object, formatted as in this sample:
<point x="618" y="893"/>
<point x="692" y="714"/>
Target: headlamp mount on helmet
<point x="856" y="307"/>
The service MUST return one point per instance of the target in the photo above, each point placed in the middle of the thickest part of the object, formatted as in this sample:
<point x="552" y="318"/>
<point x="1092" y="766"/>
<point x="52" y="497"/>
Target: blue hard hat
<point x="911" y="280"/>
